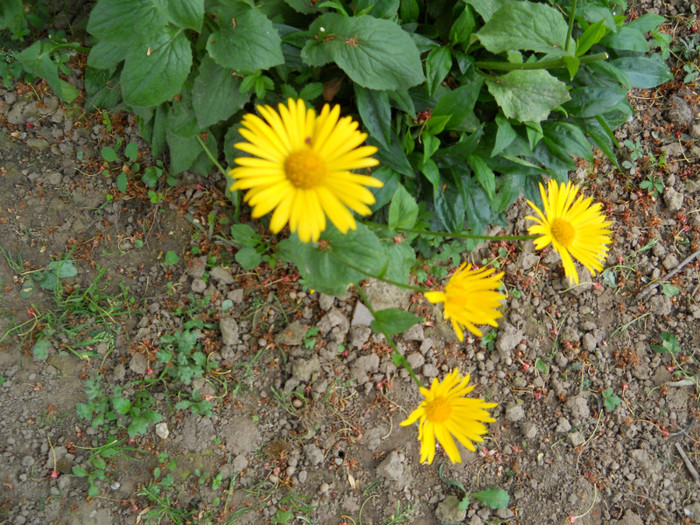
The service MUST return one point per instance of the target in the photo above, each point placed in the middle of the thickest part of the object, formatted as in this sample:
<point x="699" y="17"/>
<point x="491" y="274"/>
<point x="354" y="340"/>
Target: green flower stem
<point x="572" y="17"/>
<point x="211" y="157"/>
<point x="549" y="63"/>
<point x="396" y="355"/>
<point x="456" y="235"/>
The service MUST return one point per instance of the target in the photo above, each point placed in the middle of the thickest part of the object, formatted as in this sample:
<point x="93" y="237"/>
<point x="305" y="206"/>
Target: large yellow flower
<point x="445" y="412"/>
<point x="470" y="298"/>
<point x="301" y="168"/>
<point x="574" y="228"/>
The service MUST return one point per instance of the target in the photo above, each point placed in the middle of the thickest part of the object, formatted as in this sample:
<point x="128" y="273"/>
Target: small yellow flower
<point x="446" y="412"/>
<point x="470" y="298"/>
<point x="574" y="228"/>
<point x="301" y="167"/>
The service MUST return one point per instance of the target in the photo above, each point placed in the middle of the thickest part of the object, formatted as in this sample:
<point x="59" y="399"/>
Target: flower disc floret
<point x="300" y="168"/>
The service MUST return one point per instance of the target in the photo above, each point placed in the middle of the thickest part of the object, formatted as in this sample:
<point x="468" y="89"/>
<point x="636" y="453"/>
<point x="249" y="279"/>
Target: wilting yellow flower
<point x="470" y="298"/>
<point x="301" y="168"/>
<point x="575" y="228"/>
<point x="445" y="412"/>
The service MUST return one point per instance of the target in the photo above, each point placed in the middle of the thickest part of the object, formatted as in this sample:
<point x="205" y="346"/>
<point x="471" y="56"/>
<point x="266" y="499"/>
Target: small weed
<point x="252" y="250"/>
<point x="309" y="339"/>
<point x="488" y="340"/>
<point x="492" y="498"/>
<point x="610" y="400"/>
<point x="654" y="186"/>
<point x="182" y="354"/>
<point x="197" y="405"/>
<point x="171" y="258"/>
<point x="669" y="344"/>
<point x="97" y="464"/>
<point x="403" y="514"/>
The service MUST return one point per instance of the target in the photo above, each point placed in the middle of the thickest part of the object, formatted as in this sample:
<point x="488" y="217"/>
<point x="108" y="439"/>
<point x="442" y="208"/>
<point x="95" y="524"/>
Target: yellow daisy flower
<point x="445" y="412"/>
<point x="301" y="168"/>
<point x="470" y="298"/>
<point x="574" y="228"/>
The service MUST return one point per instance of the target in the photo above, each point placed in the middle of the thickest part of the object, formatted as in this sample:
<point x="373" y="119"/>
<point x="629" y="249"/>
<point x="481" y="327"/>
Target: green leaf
<point x="505" y="135"/>
<point x="526" y="26"/>
<point x="610" y="400"/>
<point x="106" y="55"/>
<point x="437" y="66"/>
<point x="565" y="138"/>
<point x="41" y="348"/>
<point x="154" y="72"/>
<point x="646" y="23"/>
<point x="249" y="44"/>
<point x="12" y="15"/>
<point x="403" y="210"/>
<point x="669" y="344"/>
<point x="670" y="290"/>
<point x="374" y="53"/>
<point x="187" y="14"/>
<point x="171" y="258"/>
<point x="591" y="36"/>
<point x="55" y="270"/>
<point x="392" y="321"/>
<point x="216" y="95"/>
<point x="36" y="59"/>
<point x="322" y="266"/>
<point x="493" y="498"/>
<point x="121" y="21"/>
<point x="463" y="27"/>
<point x="458" y="106"/>
<point x="302" y="6"/>
<point x="591" y="101"/>
<point x="121" y="405"/>
<point x="80" y="471"/>
<point x="248" y="258"/>
<point x="121" y="182"/>
<point x="375" y="112"/>
<point x="644" y="72"/>
<point x="108" y="154"/>
<point x="627" y="39"/>
<point x="401" y="258"/>
<point x="528" y="95"/>
<point x="484" y="174"/>
<point x="487" y="8"/>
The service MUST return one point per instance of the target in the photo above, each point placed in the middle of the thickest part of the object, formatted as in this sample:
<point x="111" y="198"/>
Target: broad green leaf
<point x="187" y="14"/>
<point x="121" y="405"/>
<point x="378" y="8"/>
<point x="154" y="72"/>
<point x="245" y="235"/>
<point x="487" y="8"/>
<point x="108" y="154"/>
<point x="63" y="268"/>
<point x="646" y="23"/>
<point x="302" y="6"/>
<point x="375" y="112"/>
<point x="171" y="258"/>
<point x="27" y="289"/>
<point x="248" y="258"/>
<point x="493" y="498"/>
<point x="591" y="36"/>
<point x="627" y="39"/>
<point x="333" y="264"/>
<point x="463" y="27"/>
<point x="528" y="96"/>
<point x="131" y="151"/>
<point x="12" y="15"/>
<point x="403" y="210"/>
<point x="644" y="72"/>
<point x="80" y="471"/>
<point x="41" y="348"/>
<point x="106" y="55"/>
<point x="591" y="101"/>
<point x="401" y="257"/>
<point x="125" y="21"/>
<point x="36" y="59"/>
<point x="567" y="138"/>
<point x="526" y="26"/>
<point x="392" y="321"/>
<point x="437" y="66"/>
<point x="247" y="42"/>
<point x="505" y="135"/>
<point x="484" y="175"/>
<point x="215" y="95"/>
<point x="375" y="53"/>
<point x="394" y="157"/>
<point x="183" y="151"/>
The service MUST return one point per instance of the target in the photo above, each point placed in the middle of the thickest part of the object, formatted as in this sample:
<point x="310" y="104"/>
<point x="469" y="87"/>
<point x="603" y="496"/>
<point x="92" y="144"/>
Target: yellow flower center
<point x="305" y="169"/>
<point x="562" y="231"/>
<point x="438" y="410"/>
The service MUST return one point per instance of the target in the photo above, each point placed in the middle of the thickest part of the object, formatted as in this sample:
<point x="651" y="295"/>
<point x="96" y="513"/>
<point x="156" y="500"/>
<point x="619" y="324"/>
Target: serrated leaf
<point x="493" y="498"/>
<point x="112" y="20"/>
<point x="121" y="405"/>
<point x="528" y="96"/>
<point x="374" y="53"/>
<point x="403" y="210"/>
<point x="526" y="26"/>
<point x="171" y="258"/>
<point x="187" y="14"/>
<point x="323" y="268"/>
<point x="154" y="71"/>
<point x="248" y="43"/>
<point x="392" y="321"/>
<point x="41" y="348"/>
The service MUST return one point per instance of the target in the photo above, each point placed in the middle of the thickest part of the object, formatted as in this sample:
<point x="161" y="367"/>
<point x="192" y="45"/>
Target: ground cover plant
<point x="366" y="143"/>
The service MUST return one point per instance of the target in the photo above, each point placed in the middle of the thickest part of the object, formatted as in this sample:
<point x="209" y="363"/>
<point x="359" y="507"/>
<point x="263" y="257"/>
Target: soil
<point x="594" y="423"/>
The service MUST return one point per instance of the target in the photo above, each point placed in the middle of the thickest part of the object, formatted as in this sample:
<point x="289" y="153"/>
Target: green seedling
<point x="669" y="344"/>
<point x="252" y="250"/>
<point x="310" y="339"/>
<point x="492" y="498"/>
<point x="182" y="354"/>
<point x="488" y="340"/>
<point x="197" y="405"/>
<point x="97" y="464"/>
<point x="171" y="258"/>
<point x="653" y="185"/>
<point x="610" y="400"/>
